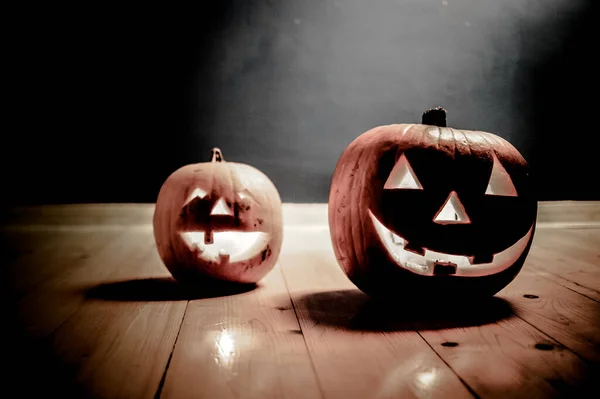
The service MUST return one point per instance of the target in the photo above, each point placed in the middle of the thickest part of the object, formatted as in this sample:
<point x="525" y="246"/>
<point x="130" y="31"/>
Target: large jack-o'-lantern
<point x="426" y="210"/>
<point x="218" y="219"/>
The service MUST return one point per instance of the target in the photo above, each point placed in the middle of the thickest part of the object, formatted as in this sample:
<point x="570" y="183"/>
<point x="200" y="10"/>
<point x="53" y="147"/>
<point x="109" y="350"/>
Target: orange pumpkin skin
<point x="446" y="160"/>
<point x="221" y="220"/>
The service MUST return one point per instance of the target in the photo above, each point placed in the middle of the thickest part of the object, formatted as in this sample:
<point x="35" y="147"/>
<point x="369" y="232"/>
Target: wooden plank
<point x="246" y="345"/>
<point x="552" y="253"/>
<point x="569" y="318"/>
<point x="20" y="217"/>
<point x="119" y="349"/>
<point x="586" y="292"/>
<point x="582" y="246"/>
<point x="512" y="358"/>
<point x="95" y="331"/>
<point x="120" y="339"/>
<point x="590" y="240"/>
<point x="44" y="309"/>
<point x="568" y="212"/>
<point x="495" y="353"/>
<point x="115" y="340"/>
<point x="39" y="256"/>
<point x="351" y="359"/>
<point x="309" y="215"/>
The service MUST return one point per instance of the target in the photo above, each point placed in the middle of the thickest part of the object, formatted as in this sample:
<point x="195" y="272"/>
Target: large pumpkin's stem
<point x="217" y="155"/>
<point x="434" y="116"/>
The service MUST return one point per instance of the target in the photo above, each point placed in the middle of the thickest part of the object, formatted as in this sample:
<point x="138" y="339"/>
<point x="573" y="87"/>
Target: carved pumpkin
<point x="218" y="219"/>
<point x="430" y="210"/>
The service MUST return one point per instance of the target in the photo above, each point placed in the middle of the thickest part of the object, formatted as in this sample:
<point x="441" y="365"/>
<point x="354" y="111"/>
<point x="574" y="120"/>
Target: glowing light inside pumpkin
<point x="221" y="208"/>
<point x="452" y="212"/>
<point x="426" y="264"/>
<point x="402" y="176"/>
<point x="197" y="193"/>
<point x="500" y="182"/>
<point x="226" y="246"/>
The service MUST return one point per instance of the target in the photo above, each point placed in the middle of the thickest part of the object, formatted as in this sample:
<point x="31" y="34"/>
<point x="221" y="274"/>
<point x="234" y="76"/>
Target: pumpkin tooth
<point x="418" y="268"/>
<point x="223" y="255"/>
<point x="208" y="237"/>
<point x="397" y="240"/>
<point x="199" y="248"/>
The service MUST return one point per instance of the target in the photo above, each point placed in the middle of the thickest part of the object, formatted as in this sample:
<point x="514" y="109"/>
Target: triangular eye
<point x="452" y="212"/>
<point x="500" y="182"/>
<point x="403" y="176"/>
<point x="245" y="194"/>
<point x="197" y="193"/>
<point x="221" y="208"/>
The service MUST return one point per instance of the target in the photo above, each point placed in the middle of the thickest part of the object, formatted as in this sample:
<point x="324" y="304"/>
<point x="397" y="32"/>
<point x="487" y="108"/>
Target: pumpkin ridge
<point x="356" y="241"/>
<point x="453" y="144"/>
<point x="337" y="231"/>
<point x="467" y="141"/>
<point x="454" y="140"/>
<point x="361" y="211"/>
<point x="483" y="136"/>
<point x="348" y="236"/>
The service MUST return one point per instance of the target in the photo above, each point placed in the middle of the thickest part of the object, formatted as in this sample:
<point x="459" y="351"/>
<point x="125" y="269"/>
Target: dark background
<point x="104" y="103"/>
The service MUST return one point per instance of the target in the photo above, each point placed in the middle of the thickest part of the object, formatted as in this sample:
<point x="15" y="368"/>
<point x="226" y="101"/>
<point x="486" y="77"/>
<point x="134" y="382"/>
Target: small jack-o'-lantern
<point x="425" y="209"/>
<point x="218" y="219"/>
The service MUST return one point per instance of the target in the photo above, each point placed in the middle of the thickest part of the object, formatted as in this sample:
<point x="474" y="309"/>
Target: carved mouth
<point x="226" y="246"/>
<point x="432" y="263"/>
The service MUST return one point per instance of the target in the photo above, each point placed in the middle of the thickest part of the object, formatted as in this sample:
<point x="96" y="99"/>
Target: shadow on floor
<point x="164" y="289"/>
<point x="354" y="310"/>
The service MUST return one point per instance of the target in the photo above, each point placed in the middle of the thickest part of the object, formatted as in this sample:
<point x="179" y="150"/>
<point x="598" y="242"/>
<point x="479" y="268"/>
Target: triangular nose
<point x="452" y="212"/>
<point x="221" y="208"/>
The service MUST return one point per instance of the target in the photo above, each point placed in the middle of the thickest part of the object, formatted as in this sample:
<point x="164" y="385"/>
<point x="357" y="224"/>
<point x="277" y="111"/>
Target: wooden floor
<point x="90" y="311"/>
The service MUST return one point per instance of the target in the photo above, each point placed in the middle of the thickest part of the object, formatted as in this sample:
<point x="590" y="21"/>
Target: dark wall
<point x="106" y="103"/>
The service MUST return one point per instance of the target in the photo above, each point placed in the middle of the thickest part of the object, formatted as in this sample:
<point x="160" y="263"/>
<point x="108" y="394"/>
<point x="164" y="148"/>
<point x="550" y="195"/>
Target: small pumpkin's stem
<point x="434" y="116"/>
<point x="217" y="155"/>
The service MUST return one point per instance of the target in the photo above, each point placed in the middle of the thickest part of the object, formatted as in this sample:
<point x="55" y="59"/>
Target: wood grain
<point x="503" y="358"/>
<point x="39" y="256"/>
<point x="355" y="359"/>
<point x="586" y="292"/>
<point x="565" y="214"/>
<point x="44" y="309"/>
<point x="570" y="318"/>
<point x="559" y="253"/>
<point x="490" y="358"/>
<point x="121" y="337"/>
<point x="247" y="345"/>
<point x="91" y="312"/>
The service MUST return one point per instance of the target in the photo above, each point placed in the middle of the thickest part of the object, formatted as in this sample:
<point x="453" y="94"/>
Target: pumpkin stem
<point x="217" y="155"/>
<point x="434" y="116"/>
